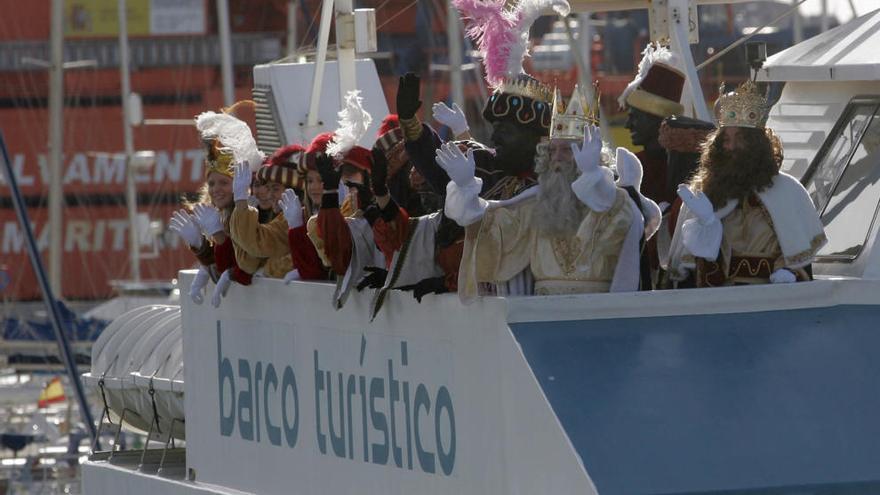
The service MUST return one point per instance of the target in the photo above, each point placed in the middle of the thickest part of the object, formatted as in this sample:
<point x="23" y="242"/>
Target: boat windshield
<point x="844" y="179"/>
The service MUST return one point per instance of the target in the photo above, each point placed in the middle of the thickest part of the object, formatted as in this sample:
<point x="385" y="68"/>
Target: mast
<point x="130" y="187"/>
<point x="454" y="40"/>
<point x="320" y="60"/>
<point x="225" y="51"/>
<point x="291" y="28"/>
<point x="56" y="143"/>
<point x="345" y="45"/>
<point x="797" y="24"/>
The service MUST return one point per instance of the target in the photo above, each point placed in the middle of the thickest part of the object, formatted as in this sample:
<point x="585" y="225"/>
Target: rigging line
<point x="96" y="258"/>
<point x="380" y="26"/>
<point x="308" y="30"/>
<point x="383" y="4"/>
<point x="748" y="36"/>
<point x="25" y="97"/>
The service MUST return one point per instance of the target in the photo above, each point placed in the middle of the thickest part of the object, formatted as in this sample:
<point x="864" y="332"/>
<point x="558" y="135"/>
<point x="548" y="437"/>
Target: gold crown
<point x="218" y="159"/>
<point x="570" y="121"/>
<point x="743" y="107"/>
<point x="526" y="87"/>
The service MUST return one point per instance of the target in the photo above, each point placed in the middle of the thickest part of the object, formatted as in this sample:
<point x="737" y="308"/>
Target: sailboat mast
<point x="454" y="40"/>
<point x="225" y="51"/>
<point x="130" y="189"/>
<point x="56" y="142"/>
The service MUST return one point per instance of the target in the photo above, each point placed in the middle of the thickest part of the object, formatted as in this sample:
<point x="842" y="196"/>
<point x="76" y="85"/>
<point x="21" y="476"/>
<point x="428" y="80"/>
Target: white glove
<point x="221" y="288"/>
<point x="589" y="154"/>
<point x="208" y="219"/>
<point x="782" y="276"/>
<point x="241" y="181"/>
<point x="291" y="276"/>
<point x="629" y="169"/>
<point x="699" y="204"/>
<point x="197" y="289"/>
<point x="458" y="166"/>
<point x="186" y="227"/>
<point x="451" y="117"/>
<point x="291" y="208"/>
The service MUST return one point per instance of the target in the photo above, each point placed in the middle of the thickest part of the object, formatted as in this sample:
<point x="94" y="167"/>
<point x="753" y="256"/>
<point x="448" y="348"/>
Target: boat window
<point x="845" y="181"/>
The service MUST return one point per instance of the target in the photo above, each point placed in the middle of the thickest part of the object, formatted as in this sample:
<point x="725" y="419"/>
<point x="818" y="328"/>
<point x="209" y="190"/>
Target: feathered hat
<point x="657" y="87"/>
<point x="390" y="134"/>
<point x="227" y="141"/>
<point x="502" y="37"/>
<point x="283" y="166"/>
<point x="354" y="121"/>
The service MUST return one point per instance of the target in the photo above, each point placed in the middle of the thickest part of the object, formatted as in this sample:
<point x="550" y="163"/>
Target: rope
<point x="397" y="14"/>
<point x="748" y="36"/>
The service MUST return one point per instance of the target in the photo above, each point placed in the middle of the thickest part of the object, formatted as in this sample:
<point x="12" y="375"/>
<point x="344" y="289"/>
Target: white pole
<point x="320" y="60"/>
<point x="678" y="31"/>
<point x="291" y="27"/>
<point x="225" y="51"/>
<point x="345" y="54"/>
<point x="130" y="189"/>
<point x="56" y="144"/>
<point x="797" y="23"/>
<point x="454" y="42"/>
<point x="824" y="21"/>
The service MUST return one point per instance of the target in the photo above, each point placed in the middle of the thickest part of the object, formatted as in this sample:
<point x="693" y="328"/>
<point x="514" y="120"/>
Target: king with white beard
<point x="577" y="231"/>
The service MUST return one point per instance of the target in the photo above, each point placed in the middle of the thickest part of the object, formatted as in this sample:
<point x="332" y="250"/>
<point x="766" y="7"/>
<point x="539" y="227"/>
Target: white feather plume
<point x="353" y="124"/>
<point x="234" y="136"/>
<point x="653" y="53"/>
<point x="527" y="12"/>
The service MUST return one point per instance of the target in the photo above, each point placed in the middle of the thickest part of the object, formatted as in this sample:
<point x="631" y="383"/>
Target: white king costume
<point x="772" y="237"/>
<point x="600" y="253"/>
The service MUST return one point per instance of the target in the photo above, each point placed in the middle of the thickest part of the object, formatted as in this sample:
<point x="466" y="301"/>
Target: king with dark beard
<point x="744" y="221"/>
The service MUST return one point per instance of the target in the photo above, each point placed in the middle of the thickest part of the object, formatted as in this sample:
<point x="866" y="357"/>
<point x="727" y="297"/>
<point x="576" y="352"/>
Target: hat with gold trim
<point x="283" y="166"/>
<point x="227" y="141"/>
<point x="502" y="36"/>
<point x="658" y="85"/>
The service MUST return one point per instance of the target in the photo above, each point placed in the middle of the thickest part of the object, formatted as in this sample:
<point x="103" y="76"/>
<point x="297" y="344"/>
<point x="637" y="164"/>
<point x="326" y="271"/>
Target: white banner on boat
<point x="286" y="395"/>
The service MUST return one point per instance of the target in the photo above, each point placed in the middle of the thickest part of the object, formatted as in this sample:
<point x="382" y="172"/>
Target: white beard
<point x="558" y="212"/>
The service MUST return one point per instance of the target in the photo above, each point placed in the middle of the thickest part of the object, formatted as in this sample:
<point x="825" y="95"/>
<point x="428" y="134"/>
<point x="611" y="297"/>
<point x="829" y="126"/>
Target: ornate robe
<point x="505" y="242"/>
<point x="773" y="229"/>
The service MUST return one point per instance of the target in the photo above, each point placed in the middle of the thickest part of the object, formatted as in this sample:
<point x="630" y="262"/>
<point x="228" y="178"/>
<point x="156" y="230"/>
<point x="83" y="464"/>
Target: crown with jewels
<point x="526" y="87"/>
<point x="523" y="100"/>
<point x="570" y="121"/>
<point x="743" y="107"/>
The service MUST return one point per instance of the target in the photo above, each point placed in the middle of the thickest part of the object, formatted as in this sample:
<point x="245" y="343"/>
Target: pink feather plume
<point x="501" y="35"/>
<point x="492" y="31"/>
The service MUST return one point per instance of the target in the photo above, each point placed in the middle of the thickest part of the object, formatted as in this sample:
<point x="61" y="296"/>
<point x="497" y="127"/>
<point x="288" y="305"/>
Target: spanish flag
<point x="53" y="393"/>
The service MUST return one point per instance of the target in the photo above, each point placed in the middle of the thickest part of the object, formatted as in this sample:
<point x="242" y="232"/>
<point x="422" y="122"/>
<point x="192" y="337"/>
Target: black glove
<point x="408" y="102"/>
<point x="436" y="285"/>
<point x="375" y="279"/>
<point x="379" y="172"/>
<point x="372" y="213"/>
<point x="365" y="195"/>
<point x="330" y="178"/>
<point x="328" y="171"/>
